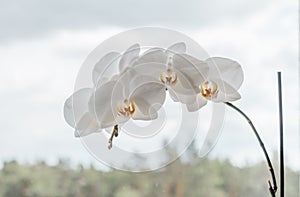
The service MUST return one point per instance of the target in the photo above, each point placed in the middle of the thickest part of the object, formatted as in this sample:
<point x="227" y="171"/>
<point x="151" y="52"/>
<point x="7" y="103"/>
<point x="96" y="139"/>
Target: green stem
<point x="272" y="188"/>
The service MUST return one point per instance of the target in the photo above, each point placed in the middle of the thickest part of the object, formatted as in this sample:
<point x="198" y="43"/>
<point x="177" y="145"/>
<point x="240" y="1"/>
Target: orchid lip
<point x="126" y="108"/>
<point x="168" y="77"/>
<point x="209" y="89"/>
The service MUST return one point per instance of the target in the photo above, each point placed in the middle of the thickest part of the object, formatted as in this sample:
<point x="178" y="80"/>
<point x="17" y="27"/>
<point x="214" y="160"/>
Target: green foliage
<point x="209" y="178"/>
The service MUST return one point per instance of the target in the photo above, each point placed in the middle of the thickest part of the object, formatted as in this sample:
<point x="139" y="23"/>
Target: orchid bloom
<point x="108" y="59"/>
<point x="126" y="96"/>
<point x="224" y="78"/>
<point x="138" y="91"/>
<point x="171" y="68"/>
<point x="111" y="59"/>
<point x="76" y="110"/>
<point x="77" y="115"/>
<point x="129" y="57"/>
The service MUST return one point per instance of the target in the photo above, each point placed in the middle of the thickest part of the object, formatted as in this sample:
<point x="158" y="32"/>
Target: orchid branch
<point x="272" y="188"/>
<point x="115" y="133"/>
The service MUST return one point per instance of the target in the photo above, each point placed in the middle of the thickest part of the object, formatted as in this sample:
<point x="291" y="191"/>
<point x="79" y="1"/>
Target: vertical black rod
<point x="281" y="153"/>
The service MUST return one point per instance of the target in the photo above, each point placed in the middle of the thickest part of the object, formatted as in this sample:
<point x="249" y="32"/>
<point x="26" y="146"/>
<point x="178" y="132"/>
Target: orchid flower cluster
<point x="139" y="89"/>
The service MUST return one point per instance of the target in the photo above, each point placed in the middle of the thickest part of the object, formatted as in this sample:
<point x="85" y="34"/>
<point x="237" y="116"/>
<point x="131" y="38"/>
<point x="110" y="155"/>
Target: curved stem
<point x="272" y="188"/>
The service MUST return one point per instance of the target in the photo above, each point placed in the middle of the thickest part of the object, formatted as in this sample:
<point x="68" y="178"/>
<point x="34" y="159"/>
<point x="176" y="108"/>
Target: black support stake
<point x="281" y="153"/>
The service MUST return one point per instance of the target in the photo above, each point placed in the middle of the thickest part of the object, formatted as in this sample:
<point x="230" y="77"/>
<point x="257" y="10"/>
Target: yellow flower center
<point x="126" y="108"/>
<point x="209" y="89"/>
<point x="168" y="77"/>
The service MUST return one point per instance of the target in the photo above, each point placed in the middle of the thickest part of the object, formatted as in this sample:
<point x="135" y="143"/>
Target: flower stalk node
<point x="115" y="133"/>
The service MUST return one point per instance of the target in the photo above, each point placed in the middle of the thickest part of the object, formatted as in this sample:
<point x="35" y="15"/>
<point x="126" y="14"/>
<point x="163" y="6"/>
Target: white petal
<point x="111" y="95"/>
<point x="187" y="61"/>
<point x="123" y="81"/>
<point x="144" y="110"/>
<point x="76" y="106"/>
<point x="151" y="50"/>
<point x="185" y="84"/>
<point x="148" y="94"/>
<point x="114" y="78"/>
<point x="173" y="95"/>
<point x="224" y="87"/>
<point x="195" y="76"/>
<point x="129" y="56"/>
<point x="102" y="80"/>
<point x="200" y="102"/>
<point x="227" y="70"/>
<point x="68" y="112"/>
<point x="106" y="60"/>
<point x="101" y="104"/>
<point x="110" y="119"/>
<point x="153" y="56"/>
<point x="148" y="88"/>
<point x="193" y="70"/>
<point x="179" y="93"/>
<point x="87" y="125"/>
<point x="223" y="97"/>
<point x="151" y="69"/>
<point x="226" y="92"/>
<point x="178" y="47"/>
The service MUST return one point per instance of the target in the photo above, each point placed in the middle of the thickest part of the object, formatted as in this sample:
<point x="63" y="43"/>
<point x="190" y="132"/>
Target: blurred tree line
<point x="209" y="178"/>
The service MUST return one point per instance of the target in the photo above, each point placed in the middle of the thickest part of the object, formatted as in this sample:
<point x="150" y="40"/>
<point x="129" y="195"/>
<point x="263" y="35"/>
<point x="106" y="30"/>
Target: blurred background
<point x="42" y="46"/>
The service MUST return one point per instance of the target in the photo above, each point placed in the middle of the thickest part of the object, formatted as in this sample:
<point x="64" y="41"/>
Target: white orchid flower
<point x="222" y="83"/>
<point x="177" y="71"/>
<point x="115" y="60"/>
<point x="129" y="57"/>
<point x="77" y="115"/>
<point x="108" y="60"/>
<point x="127" y="96"/>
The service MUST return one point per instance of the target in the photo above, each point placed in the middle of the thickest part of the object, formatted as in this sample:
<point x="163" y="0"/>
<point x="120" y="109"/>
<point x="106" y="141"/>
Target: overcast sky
<point x="21" y="19"/>
<point x="43" y="43"/>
